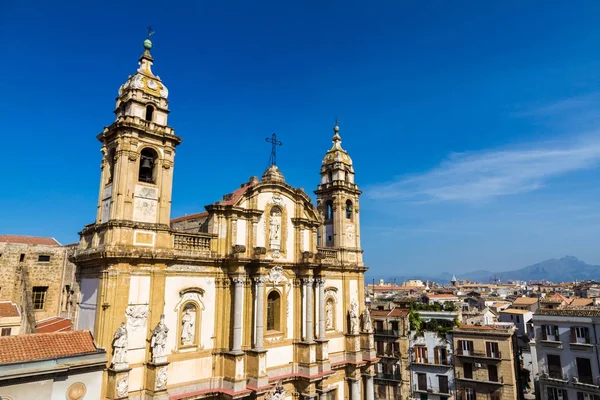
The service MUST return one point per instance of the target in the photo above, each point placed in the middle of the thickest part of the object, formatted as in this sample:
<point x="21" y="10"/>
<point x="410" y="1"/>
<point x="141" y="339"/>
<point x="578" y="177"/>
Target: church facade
<point x="259" y="297"/>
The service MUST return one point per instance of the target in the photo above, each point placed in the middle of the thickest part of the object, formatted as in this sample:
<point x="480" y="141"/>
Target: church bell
<point x="146" y="164"/>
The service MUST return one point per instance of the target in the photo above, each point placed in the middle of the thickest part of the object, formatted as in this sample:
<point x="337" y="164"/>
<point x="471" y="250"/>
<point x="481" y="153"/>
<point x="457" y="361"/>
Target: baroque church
<point x="259" y="297"/>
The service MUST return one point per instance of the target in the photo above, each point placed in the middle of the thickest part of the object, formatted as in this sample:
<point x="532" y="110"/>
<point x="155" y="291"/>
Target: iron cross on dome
<point x="274" y="143"/>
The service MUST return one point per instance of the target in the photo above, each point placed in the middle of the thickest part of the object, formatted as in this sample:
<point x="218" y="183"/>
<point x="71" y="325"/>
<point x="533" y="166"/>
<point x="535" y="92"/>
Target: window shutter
<point x="545" y="332"/>
<point x="586" y="331"/>
<point x="573" y="335"/>
<point x="436" y="354"/>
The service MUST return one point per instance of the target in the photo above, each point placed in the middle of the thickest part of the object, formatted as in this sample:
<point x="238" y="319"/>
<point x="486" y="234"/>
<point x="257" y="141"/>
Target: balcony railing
<point x="432" y="389"/>
<point x="387" y="377"/>
<point x="192" y="242"/>
<point x="479" y="354"/>
<point x="440" y="363"/>
<point x="387" y="332"/>
<point x="498" y="381"/>
<point x="327" y="254"/>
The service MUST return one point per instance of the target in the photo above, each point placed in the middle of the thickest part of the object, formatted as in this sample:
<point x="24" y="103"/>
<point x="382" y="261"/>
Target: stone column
<point x="260" y="306"/>
<point x="355" y="391"/>
<point x="370" y="395"/>
<point x="321" y="283"/>
<point x="323" y="396"/>
<point x="238" y="313"/>
<point x="308" y="282"/>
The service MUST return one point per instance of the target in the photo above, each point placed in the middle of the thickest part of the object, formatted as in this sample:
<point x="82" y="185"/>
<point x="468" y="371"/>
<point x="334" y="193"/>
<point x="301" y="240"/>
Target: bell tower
<point x="337" y="199"/>
<point x="137" y="168"/>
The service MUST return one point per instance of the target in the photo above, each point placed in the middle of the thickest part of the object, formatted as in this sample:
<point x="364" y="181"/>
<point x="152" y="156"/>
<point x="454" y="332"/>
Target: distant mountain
<point x="566" y="269"/>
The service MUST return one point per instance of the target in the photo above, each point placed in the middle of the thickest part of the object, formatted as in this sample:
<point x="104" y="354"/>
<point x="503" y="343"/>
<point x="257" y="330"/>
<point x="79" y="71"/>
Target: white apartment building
<point x="566" y="340"/>
<point x="432" y="373"/>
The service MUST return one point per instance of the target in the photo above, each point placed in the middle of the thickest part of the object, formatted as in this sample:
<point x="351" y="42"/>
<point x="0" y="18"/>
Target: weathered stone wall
<point x="55" y="274"/>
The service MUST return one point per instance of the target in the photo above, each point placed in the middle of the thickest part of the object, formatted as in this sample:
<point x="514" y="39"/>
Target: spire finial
<point x="336" y="133"/>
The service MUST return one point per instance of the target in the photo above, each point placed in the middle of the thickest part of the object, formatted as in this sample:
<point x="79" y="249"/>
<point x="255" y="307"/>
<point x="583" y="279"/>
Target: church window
<point x="329" y="209"/>
<point x="189" y="324"/>
<point x="147" y="166"/>
<point x="330" y="177"/>
<point x="273" y="311"/>
<point x="348" y="209"/>
<point x="149" y="113"/>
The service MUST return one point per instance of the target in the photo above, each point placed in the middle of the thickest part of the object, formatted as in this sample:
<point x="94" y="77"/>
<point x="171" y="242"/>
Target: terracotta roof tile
<point x="396" y="312"/>
<point x="40" y="346"/>
<point x="29" y="240"/>
<point x="191" y="216"/>
<point x="53" y="324"/>
<point x="582" y="302"/>
<point x="573" y="311"/>
<point x="525" y="301"/>
<point x="9" y="309"/>
<point x="440" y="296"/>
<point x="514" y="311"/>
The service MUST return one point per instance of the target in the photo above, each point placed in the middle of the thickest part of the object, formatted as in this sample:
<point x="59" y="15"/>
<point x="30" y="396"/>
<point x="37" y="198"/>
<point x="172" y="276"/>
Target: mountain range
<point x="565" y="269"/>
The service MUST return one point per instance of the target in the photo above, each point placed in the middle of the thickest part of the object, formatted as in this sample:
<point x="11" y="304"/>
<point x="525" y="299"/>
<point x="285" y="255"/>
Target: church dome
<point x="272" y="174"/>
<point x="144" y="79"/>
<point x="336" y="153"/>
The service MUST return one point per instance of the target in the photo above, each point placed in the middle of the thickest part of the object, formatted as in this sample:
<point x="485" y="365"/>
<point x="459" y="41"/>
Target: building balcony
<point x="389" y="355"/>
<point x="446" y="392"/>
<point x="581" y="346"/>
<point x="426" y="363"/>
<point x="498" y="382"/>
<point x="563" y="380"/>
<point x="388" y="377"/>
<point x="479" y="354"/>
<point x="387" y="332"/>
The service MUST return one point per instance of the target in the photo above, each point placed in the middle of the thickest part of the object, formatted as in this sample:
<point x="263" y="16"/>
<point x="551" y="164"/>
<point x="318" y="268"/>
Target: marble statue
<point x="329" y="315"/>
<point x="353" y="318"/>
<point x="367" y="326"/>
<point x="275" y="229"/>
<point x="120" y="346"/>
<point x="187" y="327"/>
<point x="159" y="340"/>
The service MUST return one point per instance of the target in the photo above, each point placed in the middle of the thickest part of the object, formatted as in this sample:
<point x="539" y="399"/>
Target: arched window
<point x="147" y="166"/>
<point x="149" y="113"/>
<point x="329" y="314"/>
<point x="111" y="166"/>
<point x="189" y="318"/>
<point x="348" y="209"/>
<point x="273" y="311"/>
<point x="329" y="210"/>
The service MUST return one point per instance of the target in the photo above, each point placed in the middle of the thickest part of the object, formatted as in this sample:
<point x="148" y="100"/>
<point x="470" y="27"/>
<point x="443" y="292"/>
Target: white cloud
<point x="479" y="176"/>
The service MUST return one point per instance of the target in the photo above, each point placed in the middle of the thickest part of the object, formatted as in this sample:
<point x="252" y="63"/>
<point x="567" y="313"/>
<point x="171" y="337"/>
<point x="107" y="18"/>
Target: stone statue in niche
<point x="353" y="313"/>
<point x="120" y="347"/>
<point x="275" y="229"/>
<point x="367" y="326"/>
<point x="188" y="322"/>
<point x="159" y="341"/>
<point x="329" y="314"/>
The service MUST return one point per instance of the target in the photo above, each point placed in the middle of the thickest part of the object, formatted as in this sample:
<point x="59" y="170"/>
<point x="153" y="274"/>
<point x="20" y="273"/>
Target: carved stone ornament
<point x="123" y="386"/>
<point x="260" y="250"/>
<point x="161" y="378"/>
<point x="238" y="280"/>
<point x="75" y="392"/>
<point x="353" y="314"/>
<point x="277" y="393"/>
<point x="136" y="315"/>
<point x="307" y="254"/>
<point x="239" y="248"/>
<point x="120" y="345"/>
<point x="276" y="275"/>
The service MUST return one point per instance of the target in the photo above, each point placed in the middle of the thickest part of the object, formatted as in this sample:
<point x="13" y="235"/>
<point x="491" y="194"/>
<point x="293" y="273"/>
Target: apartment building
<point x="485" y="363"/>
<point x="566" y="341"/>
<point x="432" y="374"/>
<point x="392" y="373"/>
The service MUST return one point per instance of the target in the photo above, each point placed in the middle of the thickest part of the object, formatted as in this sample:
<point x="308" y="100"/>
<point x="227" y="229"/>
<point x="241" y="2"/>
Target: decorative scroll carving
<point x="123" y="386"/>
<point x="260" y="251"/>
<point x="239" y="248"/>
<point x="161" y="378"/>
<point x="276" y="275"/>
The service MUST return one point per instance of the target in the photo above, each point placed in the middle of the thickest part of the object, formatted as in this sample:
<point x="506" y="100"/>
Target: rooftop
<point x="582" y="302"/>
<point x="41" y="346"/>
<point x="9" y="309"/>
<point x="396" y="312"/>
<point x="29" y="240"/>
<point x="525" y="301"/>
<point x="485" y="328"/>
<point x="514" y="311"/>
<point x="53" y="324"/>
<point x="572" y="311"/>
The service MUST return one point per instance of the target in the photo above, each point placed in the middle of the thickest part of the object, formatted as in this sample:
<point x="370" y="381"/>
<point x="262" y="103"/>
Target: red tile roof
<point x="53" y="324"/>
<point x="29" y="240"/>
<point x="582" y="302"/>
<point x="41" y="346"/>
<point x="441" y="296"/>
<point x="525" y="301"/>
<point x="396" y="312"/>
<point x="9" y="309"/>
<point x="191" y="216"/>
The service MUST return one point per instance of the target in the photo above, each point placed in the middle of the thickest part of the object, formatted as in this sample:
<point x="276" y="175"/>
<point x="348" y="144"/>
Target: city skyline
<point x="476" y="146"/>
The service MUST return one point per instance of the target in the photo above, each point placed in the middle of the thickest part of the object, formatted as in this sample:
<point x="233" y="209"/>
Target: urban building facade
<point x="566" y="341"/>
<point x="485" y="363"/>
<point x="432" y="372"/>
<point x="261" y="296"/>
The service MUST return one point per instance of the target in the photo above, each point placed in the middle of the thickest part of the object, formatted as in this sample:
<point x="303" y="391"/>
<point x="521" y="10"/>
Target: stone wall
<point x="21" y="269"/>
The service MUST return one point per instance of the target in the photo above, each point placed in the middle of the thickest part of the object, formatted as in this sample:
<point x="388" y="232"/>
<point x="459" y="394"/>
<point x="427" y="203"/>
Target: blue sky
<point x="473" y="125"/>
